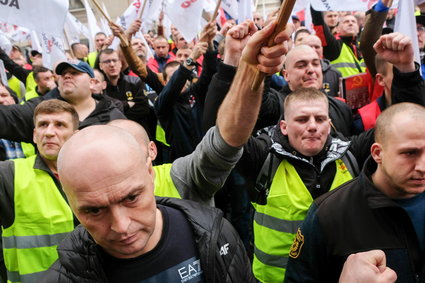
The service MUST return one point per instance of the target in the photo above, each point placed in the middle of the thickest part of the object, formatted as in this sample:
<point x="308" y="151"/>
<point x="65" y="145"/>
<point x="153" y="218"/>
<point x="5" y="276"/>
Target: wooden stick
<point x="65" y="33"/>
<point x="216" y="10"/>
<point x="282" y="19"/>
<point x="143" y="9"/>
<point x="122" y="38"/>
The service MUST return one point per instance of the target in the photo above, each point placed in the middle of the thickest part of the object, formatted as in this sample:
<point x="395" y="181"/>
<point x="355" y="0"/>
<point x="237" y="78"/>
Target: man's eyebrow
<point x="89" y="207"/>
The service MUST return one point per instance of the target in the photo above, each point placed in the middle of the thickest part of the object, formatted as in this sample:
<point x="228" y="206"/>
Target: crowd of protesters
<point x="120" y="167"/>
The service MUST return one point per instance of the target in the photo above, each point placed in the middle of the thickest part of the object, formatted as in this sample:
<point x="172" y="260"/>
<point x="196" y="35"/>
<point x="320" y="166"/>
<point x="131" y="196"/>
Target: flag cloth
<point x="186" y="16"/>
<point x="231" y="7"/>
<point x="92" y="22"/>
<point x="46" y="16"/>
<point x="346" y="5"/>
<point x="405" y="22"/>
<point x="244" y="10"/>
<point x="75" y="28"/>
<point x="52" y="50"/>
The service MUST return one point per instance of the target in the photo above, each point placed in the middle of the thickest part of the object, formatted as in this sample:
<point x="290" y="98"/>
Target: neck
<point x="113" y="80"/>
<point x="84" y="107"/>
<point x="51" y="164"/>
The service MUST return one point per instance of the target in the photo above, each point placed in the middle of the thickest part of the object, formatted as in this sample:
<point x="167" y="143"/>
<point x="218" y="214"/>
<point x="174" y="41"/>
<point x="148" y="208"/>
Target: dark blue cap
<point x="77" y="65"/>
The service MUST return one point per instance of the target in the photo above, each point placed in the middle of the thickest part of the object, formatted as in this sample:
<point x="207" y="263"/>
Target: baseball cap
<point x="420" y="19"/>
<point x="35" y="53"/>
<point x="77" y="65"/>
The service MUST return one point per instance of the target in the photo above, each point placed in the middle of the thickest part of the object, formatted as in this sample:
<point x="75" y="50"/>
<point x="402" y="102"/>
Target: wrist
<point x="380" y="7"/>
<point x="406" y="68"/>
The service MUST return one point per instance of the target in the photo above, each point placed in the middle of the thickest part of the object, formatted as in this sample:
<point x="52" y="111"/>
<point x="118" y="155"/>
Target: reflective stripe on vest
<point x="164" y="186"/>
<point x="42" y="220"/>
<point x="369" y="113"/>
<point x="276" y="223"/>
<point x="30" y="82"/>
<point x="347" y="63"/>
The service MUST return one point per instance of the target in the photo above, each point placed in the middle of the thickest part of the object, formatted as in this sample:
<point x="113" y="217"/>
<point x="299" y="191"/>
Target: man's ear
<point x="283" y="127"/>
<point x="153" y="151"/>
<point x="380" y="79"/>
<point x="376" y="152"/>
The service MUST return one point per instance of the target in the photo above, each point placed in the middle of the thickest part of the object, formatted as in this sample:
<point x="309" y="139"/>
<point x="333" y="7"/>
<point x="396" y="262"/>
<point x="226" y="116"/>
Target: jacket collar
<point x="333" y="150"/>
<point x="375" y="198"/>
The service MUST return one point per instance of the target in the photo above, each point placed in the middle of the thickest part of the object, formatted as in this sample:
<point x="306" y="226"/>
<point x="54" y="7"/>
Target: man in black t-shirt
<point x="127" y="235"/>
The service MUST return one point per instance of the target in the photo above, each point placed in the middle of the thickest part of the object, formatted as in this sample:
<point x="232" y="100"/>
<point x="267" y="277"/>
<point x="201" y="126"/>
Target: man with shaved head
<point x="303" y="69"/>
<point x="127" y="235"/>
<point x="197" y="176"/>
<point x="331" y="75"/>
<point x="389" y="203"/>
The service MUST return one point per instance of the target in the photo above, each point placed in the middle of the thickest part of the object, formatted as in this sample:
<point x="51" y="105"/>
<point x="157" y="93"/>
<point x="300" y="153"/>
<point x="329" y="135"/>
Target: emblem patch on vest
<point x="297" y="245"/>
<point x="129" y="95"/>
<point x="342" y="166"/>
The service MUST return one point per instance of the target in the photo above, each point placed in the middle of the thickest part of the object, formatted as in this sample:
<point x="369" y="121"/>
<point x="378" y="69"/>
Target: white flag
<point x="93" y="27"/>
<point x="130" y="14"/>
<point x="46" y="16"/>
<point x="52" y="50"/>
<point x="405" y="22"/>
<point x="75" y="28"/>
<point x="346" y="5"/>
<point x="186" y="16"/>
<point x="231" y="7"/>
<point x="245" y="10"/>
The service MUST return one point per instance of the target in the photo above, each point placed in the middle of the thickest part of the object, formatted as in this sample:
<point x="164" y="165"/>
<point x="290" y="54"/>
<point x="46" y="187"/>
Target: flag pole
<point x="143" y="9"/>
<point x="122" y="38"/>
<point x="65" y="33"/>
<point x="282" y="19"/>
<point x="215" y="14"/>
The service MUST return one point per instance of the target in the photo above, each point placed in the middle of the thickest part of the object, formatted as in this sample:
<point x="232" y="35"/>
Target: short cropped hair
<point x="39" y="69"/>
<point x="384" y="121"/>
<point x="305" y="94"/>
<point x="169" y="65"/>
<point x="57" y="106"/>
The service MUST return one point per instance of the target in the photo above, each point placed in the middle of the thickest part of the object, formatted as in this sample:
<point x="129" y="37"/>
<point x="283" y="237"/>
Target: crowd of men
<point x="117" y="167"/>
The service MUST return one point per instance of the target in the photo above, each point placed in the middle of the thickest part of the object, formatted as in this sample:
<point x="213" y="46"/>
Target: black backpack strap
<point x="350" y="162"/>
<point x="265" y="179"/>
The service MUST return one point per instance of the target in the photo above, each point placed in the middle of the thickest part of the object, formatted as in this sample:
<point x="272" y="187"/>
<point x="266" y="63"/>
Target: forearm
<point x="240" y="107"/>
<point x="200" y="175"/>
<point x="331" y="46"/>
<point x="14" y="68"/>
<point x="370" y="34"/>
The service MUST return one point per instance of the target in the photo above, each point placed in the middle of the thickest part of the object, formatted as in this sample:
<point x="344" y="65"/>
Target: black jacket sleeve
<point x="408" y="87"/>
<point x="219" y="86"/>
<point x="331" y="46"/>
<point x="14" y="68"/>
<point x="209" y="68"/>
<point x="170" y="93"/>
<point x="16" y="122"/>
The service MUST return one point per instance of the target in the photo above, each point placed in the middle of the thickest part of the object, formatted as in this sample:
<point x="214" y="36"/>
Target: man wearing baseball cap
<point x="75" y="79"/>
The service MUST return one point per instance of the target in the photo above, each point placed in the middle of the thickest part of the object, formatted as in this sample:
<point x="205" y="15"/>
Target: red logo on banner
<point x="187" y="3"/>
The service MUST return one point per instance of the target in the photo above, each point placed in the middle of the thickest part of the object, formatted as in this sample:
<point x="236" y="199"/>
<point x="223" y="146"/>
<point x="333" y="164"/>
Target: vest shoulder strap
<point x="265" y="179"/>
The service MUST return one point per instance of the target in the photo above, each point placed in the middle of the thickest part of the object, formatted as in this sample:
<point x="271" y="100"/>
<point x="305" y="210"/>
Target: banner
<point x="46" y="16"/>
<point x="52" y="50"/>
<point x="186" y="16"/>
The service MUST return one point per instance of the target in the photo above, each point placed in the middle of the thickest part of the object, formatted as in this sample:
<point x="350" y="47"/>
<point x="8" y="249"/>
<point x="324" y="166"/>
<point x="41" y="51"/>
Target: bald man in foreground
<point x="197" y="176"/>
<point x="167" y="240"/>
